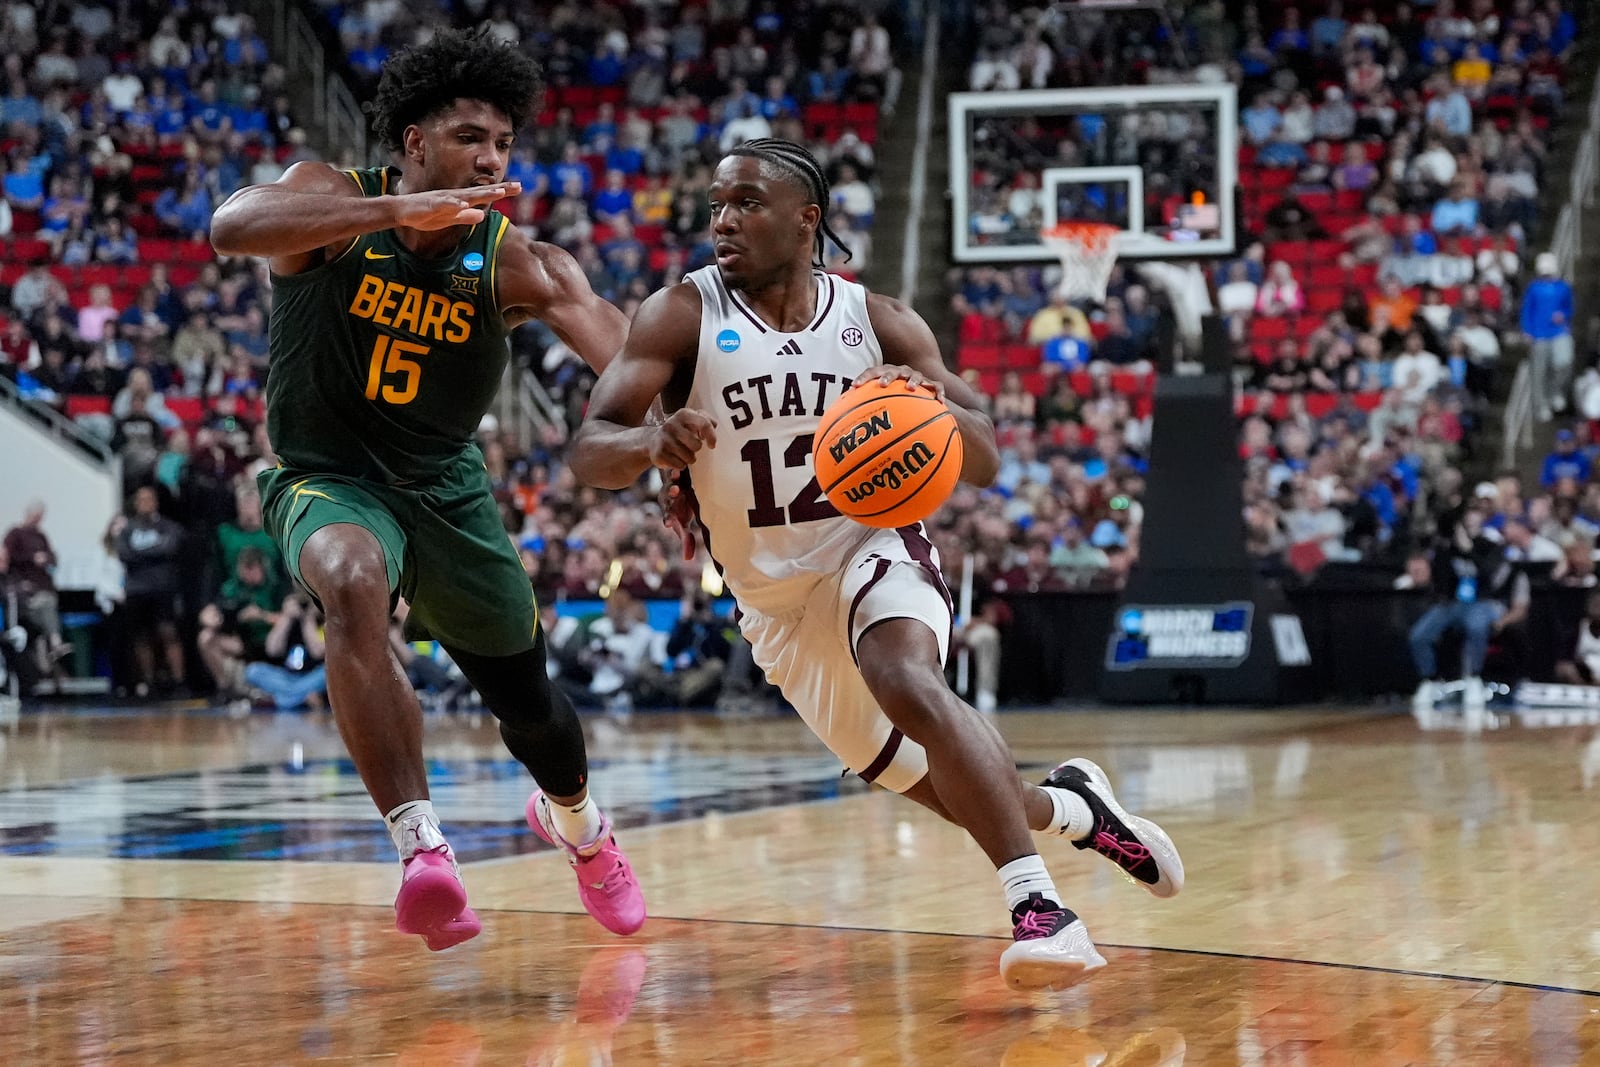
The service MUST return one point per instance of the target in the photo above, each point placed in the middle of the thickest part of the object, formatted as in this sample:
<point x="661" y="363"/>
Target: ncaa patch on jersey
<point x="729" y="340"/>
<point x="472" y="261"/>
<point x="852" y="337"/>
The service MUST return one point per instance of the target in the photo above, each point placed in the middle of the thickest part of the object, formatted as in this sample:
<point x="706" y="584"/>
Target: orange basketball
<point x="887" y="455"/>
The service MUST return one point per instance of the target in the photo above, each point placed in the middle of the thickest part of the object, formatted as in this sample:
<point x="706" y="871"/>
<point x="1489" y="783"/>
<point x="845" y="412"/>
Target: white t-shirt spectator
<point x="1483" y="344"/>
<point x="1299" y="123"/>
<point x="994" y="73"/>
<point x="870" y="53"/>
<point x="1238" y="298"/>
<point x="855" y="199"/>
<point x="1437" y="165"/>
<point x="1034" y="61"/>
<point x="746" y="129"/>
<point x="1496" y="265"/>
<point x="122" y="90"/>
<point x="1416" y="374"/>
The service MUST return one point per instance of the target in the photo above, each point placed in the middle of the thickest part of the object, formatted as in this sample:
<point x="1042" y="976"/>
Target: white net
<point x="1087" y="251"/>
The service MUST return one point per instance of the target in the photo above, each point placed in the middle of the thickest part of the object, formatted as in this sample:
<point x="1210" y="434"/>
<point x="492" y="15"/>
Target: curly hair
<point x="455" y="64"/>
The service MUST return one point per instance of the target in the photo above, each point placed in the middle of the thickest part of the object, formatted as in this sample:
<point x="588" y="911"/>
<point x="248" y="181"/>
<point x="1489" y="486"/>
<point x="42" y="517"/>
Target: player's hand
<point x="676" y="441"/>
<point x="888" y="372"/>
<point x="679" y="509"/>
<point x="438" y="209"/>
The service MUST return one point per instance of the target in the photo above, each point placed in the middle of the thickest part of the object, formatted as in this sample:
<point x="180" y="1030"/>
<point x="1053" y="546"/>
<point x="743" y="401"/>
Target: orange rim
<point x="1094" y="236"/>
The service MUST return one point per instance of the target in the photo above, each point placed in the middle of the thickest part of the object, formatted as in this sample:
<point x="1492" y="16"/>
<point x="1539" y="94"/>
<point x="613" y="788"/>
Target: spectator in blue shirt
<point x="1281" y="153"/>
<point x="615" y="200"/>
<point x="601" y="133"/>
<point x="607" y="66"/>
<point x="1547" y="323"/>
<point x="1290" y="37"/>
<point x="1261" y="120"/>
<point x="23" y="188"/>
<point x="522" y="167"/>
<point x="1449" y="110"/>
<point x="208" y="117"/>
<point x="778" y="104"/>
<point x="1328" y="30"/>
<point x="1456" y="213"/>
<point x="571" y="168"/>
<point x="368" y="57"/>
<point x="19" y="105"/>
<point x="172" y="117"/>
<point x="826" y="84"/>
<point x="1567" y="461"/>
<point x="186" y="211"/>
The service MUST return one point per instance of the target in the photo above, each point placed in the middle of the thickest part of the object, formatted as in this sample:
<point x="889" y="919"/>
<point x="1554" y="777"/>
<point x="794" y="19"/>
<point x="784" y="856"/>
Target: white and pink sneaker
<point x="432" y="901"/>
<point x="606" y="884"/>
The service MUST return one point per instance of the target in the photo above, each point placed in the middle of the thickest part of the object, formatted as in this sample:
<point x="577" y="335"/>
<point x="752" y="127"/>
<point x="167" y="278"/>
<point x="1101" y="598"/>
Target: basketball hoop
<point x="1087" y="251"/>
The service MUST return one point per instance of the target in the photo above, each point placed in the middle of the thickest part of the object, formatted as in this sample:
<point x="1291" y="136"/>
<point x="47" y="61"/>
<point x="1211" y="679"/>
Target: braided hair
<point x="801" y="167"/>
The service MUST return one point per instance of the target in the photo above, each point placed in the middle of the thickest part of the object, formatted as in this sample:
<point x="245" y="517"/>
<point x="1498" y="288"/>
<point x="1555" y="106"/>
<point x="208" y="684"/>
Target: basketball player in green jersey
<point x="394" y="289"/>
<point x="852" y="623"/>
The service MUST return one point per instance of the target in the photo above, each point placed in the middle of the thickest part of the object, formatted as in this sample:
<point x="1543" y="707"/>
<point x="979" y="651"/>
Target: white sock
<point x="413" y="826"/>
<point x="579" y="825"/>
<point x="1072" y="819"/>
<point x="1025" y="876"/>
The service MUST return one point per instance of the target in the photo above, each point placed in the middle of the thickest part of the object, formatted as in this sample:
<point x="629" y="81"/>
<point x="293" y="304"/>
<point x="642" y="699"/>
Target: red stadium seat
<point x="1325" y="251"/>
<point x="1020" y="356"/>
<point x="78" y="404"/>
<point x="1367" y="401"/>
<point x="1321" y="405"/>
<point x="980" y="357"/>
<point x="862" y="116"/>
<point x="1320" y="302"/>
<point x="1326" y="275"/>
<point x="195" y="252"/>
<point x="188" y="408"/>
<point x="1269" y="329"/>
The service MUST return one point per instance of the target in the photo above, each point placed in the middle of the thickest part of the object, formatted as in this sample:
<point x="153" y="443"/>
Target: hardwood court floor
<point x="1360" y="892"/>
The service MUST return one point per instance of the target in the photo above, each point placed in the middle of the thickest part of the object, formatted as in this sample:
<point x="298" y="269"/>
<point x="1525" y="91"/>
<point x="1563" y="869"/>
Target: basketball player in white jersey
<point x="852" y="623"/>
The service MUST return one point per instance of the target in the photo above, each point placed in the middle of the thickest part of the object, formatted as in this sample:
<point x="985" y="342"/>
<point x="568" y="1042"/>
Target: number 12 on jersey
<point x="809" y="504"/>
<point x="389" y="357"/>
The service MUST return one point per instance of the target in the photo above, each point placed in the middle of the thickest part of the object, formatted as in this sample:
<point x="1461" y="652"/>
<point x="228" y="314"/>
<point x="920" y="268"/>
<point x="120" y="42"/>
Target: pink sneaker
<point x="433" y="902"/>
<point x="606" y="884"/>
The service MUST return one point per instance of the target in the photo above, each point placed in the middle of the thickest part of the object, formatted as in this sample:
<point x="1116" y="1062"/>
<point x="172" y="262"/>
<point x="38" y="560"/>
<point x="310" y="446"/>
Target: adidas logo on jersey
<point x="790" y="348"/>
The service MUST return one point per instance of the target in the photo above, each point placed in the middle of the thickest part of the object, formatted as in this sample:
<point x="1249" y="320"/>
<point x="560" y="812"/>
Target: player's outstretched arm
<point x="291" y="220"/>
<point x="614" y="446"/>
<point x="908" y="342"/>
<point x="542" y="281"/>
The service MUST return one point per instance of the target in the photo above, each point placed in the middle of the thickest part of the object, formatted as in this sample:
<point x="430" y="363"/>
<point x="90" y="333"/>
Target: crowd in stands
<point x="1388" y="224"/>
<point x="1392" y="163"/>
<point x="124" y="127"/>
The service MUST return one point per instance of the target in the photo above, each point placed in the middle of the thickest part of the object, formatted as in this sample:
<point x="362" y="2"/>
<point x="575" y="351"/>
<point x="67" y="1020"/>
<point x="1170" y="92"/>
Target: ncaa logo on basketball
<point x="729" y="340"/>
<point x="852" y="337"/>
<point x="865" y="431"/>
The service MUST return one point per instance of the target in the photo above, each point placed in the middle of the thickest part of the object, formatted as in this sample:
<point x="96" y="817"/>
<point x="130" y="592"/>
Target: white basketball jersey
<point x="768" y="525"/>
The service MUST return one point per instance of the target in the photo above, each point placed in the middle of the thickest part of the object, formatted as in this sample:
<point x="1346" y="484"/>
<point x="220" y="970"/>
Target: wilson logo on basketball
<point x="851" y="440"/>
<point x="893" y="475"/>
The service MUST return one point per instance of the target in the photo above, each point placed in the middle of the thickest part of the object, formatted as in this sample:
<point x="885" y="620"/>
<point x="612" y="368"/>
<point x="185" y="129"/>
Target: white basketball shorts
<point x="809" y="653"/>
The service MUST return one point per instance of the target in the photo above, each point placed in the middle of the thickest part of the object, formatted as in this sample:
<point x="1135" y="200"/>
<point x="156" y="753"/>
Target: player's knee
<point x="348" y="575"/>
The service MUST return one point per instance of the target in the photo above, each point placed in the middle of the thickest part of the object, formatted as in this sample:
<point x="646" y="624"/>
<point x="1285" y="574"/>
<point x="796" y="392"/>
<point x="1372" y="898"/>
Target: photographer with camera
<point x="291" y="671"/>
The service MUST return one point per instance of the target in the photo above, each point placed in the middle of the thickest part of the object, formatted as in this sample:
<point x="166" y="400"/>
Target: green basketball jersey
<point x="383" y="363"/>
